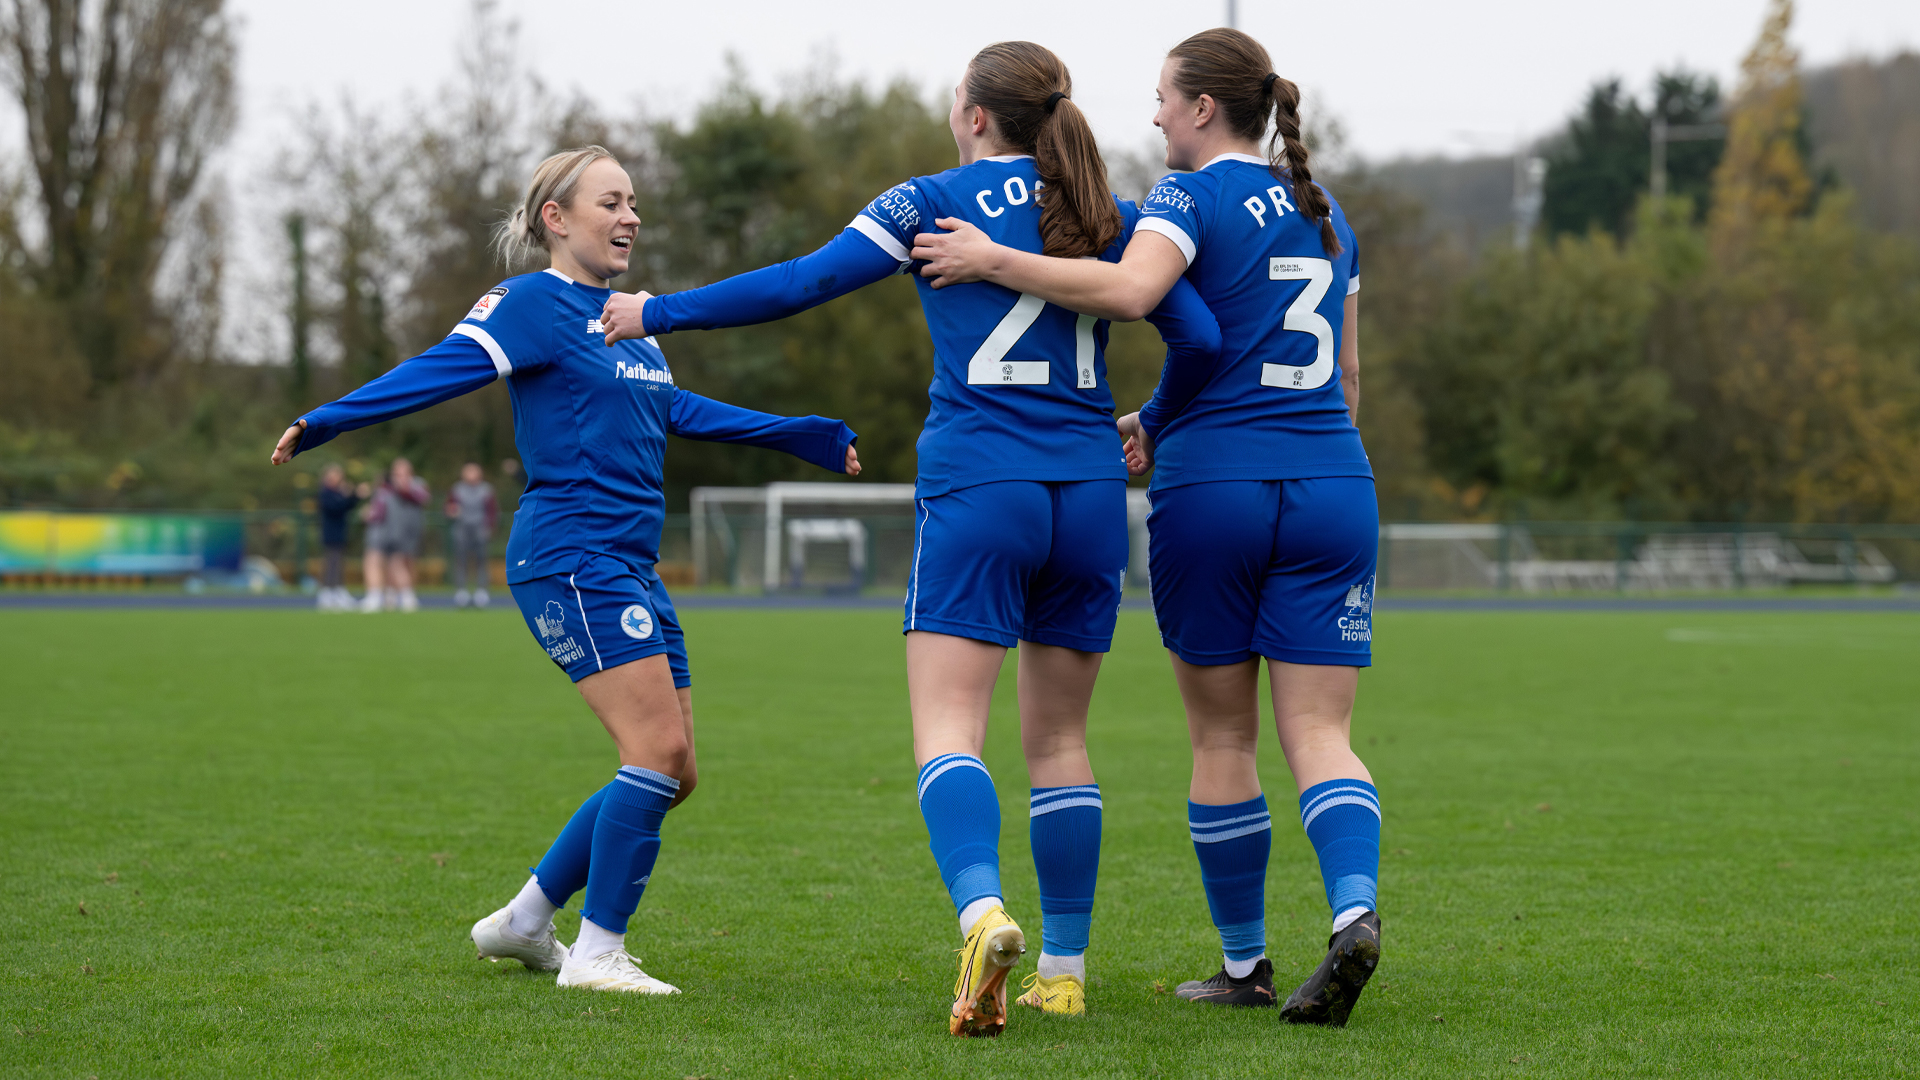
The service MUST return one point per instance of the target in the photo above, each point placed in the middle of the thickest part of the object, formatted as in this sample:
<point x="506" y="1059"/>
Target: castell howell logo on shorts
<point x="549" y="623"/>
<point x="1356" y="623"/>
<point x="637" y="621"/>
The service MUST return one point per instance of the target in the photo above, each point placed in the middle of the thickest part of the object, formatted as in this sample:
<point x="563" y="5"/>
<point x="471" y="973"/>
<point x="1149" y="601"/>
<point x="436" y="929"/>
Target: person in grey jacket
<point x="471" y="513"/>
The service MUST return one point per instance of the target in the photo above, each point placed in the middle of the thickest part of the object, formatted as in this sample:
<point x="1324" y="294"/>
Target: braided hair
<point x="1237" y="73"/>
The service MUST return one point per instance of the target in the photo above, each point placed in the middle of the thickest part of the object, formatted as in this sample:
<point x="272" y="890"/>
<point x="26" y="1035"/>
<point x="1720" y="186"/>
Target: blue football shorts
<point x="604" y="614"/>
<point x="1021" y="560"/>
<point x="1275" y="568"/>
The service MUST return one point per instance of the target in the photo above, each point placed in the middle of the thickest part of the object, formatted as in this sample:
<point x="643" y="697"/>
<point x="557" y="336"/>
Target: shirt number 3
<point x="1303" y="316"/>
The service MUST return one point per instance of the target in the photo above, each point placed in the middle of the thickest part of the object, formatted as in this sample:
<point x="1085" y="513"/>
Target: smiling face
<point x="1179" y="119"/>
<point x="594" y="235"/>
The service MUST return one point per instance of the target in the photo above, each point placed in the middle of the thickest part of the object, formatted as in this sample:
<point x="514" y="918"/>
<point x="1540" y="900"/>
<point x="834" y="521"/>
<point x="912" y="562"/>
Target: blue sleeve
<point x="458" y="365"/>
<point x="813" y="439"/>
<point x="843" y="264"/>
<point x="1193" y="340"/>
<point x="1170" y="210"/>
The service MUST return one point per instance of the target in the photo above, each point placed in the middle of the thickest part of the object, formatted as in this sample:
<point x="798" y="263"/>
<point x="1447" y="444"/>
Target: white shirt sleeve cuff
<point x="501" y="364"/>
<point x="1172" y="232"/>
<point x="1353" y="284"/>
<point x="878" y="233"/>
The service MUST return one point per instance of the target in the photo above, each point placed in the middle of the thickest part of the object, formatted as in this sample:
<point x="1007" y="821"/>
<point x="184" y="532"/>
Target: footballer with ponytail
<point x="1028" y="93"/>
<point x="1236" y="72"/>
<point x="1265" y="436"/>
<point x="1020" y="533"/>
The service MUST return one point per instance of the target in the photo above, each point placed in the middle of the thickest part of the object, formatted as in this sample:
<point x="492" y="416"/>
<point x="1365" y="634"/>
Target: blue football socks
<point x="1233" y="842"/>
<point x="1065" y="830"/>
<point x="1342" y="818"/>
<point x="563" y="870"/>
<point x="963" y="826"/>
<point x="626" y="840"/>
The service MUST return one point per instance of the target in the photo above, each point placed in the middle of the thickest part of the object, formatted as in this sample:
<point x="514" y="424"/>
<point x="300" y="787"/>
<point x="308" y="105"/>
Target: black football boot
<point x="1327" y="997"/>
<point x="1223" y="989"/>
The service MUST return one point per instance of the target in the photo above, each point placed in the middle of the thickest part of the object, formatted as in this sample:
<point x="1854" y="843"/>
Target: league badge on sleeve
<point x="483" y="307"/>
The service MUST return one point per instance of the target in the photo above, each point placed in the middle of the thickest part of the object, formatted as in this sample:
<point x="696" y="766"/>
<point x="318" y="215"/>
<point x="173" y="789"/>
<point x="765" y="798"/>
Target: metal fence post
<point x="1739" y="557"/>
<point x="1506" y="556"/>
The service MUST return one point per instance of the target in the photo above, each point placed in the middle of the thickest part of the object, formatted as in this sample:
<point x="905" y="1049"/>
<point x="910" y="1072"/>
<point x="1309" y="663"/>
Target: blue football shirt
<point x="1272" y="408"/>
<point x="1019" y="389"/>
<point x="591" y="421"/>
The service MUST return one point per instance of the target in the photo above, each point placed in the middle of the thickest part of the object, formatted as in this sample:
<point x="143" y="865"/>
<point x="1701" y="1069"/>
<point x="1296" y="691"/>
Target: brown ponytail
<point x="1025" y="88"/>
<point x="1237" y="73"/>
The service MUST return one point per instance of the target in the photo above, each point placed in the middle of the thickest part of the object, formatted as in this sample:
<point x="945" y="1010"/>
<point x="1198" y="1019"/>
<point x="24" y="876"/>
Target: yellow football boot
<point x="980" y="993"/>
<point x="1061" y="995"/>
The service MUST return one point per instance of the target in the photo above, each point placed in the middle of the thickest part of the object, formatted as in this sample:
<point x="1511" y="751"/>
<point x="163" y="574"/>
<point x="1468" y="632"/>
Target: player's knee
<point x="689" y="779"/>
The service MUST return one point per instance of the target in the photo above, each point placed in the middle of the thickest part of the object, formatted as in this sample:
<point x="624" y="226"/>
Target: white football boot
<point x="494" y="936"/>
<point x="612" y="971"/>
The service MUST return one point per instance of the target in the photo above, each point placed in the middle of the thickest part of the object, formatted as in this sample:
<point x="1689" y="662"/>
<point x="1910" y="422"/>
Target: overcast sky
<point x="1405" y="77"/>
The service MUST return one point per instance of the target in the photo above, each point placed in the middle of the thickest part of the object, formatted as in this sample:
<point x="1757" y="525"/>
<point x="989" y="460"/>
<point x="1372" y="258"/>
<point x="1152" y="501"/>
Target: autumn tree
<point x="123" y="102"/>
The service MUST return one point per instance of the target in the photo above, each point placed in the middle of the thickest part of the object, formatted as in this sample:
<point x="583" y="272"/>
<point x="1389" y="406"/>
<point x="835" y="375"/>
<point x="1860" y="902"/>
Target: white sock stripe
<point x="1324" y="805"/>
<point x="1244" y="830"/>
<point x="1331" y="792"/>
<point x="1261" y="816"/>
<point x="1083" y="791"/>
<point x="655" y="789"/>
<point x="1062" y="804"/>
<point x="640" y="772"/>
<point x="961" y="761"/>
<point x="936" y="761"/>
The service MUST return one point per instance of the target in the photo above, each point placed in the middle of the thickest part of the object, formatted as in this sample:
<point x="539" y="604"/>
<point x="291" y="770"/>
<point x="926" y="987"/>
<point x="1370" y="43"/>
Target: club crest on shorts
<point x="1356" y="622"/>
<point x="637" y="622"/>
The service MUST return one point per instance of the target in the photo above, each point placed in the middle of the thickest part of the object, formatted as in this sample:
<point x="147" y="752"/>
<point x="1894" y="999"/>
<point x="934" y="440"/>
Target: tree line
<point x="1742" y="348"/>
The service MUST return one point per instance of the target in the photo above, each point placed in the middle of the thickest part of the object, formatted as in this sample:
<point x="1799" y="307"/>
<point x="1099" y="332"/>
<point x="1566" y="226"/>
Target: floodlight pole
<point x="1664" y="133"/>
<point x="1233" y="14"/>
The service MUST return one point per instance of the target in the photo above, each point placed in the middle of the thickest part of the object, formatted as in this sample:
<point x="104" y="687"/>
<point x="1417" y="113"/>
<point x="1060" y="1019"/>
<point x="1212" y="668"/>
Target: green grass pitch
<point x="251" y="843"/>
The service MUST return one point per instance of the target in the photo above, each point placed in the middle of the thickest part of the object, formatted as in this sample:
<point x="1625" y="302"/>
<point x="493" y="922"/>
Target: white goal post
<point x="783" y="507"/>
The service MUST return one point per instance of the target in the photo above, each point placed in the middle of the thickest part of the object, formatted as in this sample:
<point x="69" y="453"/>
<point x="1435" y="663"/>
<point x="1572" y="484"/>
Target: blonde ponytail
<point x="523" y="236"/>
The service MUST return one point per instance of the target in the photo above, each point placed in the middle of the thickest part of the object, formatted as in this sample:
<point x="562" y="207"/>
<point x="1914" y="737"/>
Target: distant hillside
<point x="1864" y="120"/>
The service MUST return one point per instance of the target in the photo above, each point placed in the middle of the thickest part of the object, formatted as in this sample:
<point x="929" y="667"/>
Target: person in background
<point x="471" y="512"/>
<point x="397" y="518"/>
<point x="337" y="500"/>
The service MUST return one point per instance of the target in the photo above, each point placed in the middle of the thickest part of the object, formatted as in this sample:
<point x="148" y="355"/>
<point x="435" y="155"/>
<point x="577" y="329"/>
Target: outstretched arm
<point x="843" y="264"/>
<point x="1122" y="291"/>
<point x="816" y="439"/>
<point x="459" y="365"/>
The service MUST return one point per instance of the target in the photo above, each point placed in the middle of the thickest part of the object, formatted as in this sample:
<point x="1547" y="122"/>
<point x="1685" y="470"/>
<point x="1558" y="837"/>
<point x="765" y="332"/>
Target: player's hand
<point x="955" y="257"/>
<point x="1139" y="445"/>
<point x="283" y="451"/>
<point x="853" y="462"/>
<point x="621" y="318"/>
